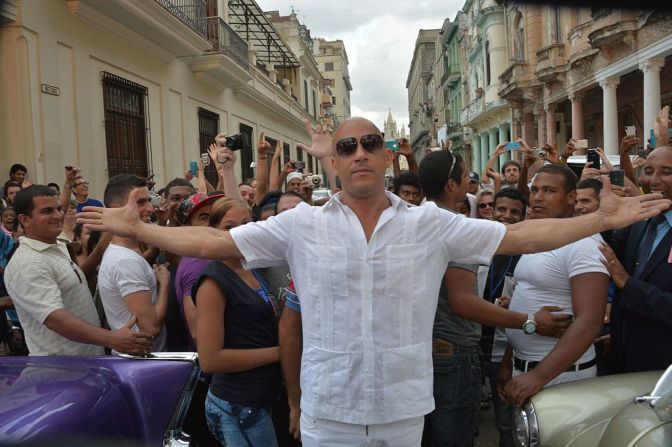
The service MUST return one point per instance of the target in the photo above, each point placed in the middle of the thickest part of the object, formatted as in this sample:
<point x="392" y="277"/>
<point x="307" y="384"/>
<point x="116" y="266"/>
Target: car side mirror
<point x="660" y="398"/>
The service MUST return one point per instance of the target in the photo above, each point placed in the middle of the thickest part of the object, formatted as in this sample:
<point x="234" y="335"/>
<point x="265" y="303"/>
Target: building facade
<point x="333" y="63"/>
<point x="587" y="73"/>
<point x="143" y="87"/>
<point x="419" y="83"/>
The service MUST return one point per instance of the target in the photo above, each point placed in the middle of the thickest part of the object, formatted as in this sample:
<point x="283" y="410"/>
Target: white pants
<point x="317" y="432"/>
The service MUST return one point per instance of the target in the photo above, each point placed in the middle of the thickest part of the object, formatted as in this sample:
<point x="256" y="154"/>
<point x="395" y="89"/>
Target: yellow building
<point x="333" y="64"/>
<point x="142" y="86"/>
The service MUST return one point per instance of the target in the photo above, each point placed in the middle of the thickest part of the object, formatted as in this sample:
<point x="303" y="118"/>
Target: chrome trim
<point x="188" y="356"/>
<point x="529" y="418"/>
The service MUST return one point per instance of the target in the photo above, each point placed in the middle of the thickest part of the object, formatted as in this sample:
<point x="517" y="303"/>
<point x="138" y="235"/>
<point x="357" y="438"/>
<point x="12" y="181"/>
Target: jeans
<point x="457" y="394"/>
<point x="236" y="425"/>
<point x="503" y="410"/>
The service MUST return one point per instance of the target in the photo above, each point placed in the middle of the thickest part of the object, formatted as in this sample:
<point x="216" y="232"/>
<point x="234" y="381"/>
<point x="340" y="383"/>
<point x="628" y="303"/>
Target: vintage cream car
<point x="633" y="410"/>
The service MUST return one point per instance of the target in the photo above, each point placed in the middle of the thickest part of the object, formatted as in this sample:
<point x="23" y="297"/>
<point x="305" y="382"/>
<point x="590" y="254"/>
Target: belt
<point x="525" y="365"/>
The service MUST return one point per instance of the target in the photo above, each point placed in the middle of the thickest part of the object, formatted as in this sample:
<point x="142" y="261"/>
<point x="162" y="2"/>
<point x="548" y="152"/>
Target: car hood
<point x="130" y="401"/>
<point x="582" y="409"/>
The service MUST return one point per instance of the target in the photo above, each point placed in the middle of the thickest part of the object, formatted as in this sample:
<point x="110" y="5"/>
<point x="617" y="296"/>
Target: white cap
<point x="292" y="175"/>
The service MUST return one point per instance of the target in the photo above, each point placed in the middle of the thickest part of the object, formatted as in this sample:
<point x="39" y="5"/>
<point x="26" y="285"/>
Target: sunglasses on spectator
<point x="82" y="183"/>
<point x="485" y="205"/>
<point x="345" y="147"/>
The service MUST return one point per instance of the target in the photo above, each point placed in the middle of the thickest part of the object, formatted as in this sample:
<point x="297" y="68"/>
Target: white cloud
<point x="379" y="37"/>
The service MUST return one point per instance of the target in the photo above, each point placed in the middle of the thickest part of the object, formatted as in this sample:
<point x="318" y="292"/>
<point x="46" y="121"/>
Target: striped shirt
<point x="40" y="279"/>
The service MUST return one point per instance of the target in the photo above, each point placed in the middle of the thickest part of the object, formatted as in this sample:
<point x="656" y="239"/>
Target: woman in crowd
<point x="237" y="335"/>
<point x="485" y="204"/>
<point x="87" y="250"/>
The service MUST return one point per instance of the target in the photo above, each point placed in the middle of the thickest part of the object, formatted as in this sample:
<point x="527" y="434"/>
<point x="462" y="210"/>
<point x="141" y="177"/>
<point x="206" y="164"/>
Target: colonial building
<point x="587" y="72"/>
<point x="144" y="86"/>
<point x="333" y="64"/>
<point x="419" y="84"/>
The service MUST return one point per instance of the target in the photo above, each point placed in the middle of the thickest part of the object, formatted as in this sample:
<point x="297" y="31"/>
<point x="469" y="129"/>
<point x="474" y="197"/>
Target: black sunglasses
<point x="486" y="205"/>
<point x="345" y="147"/>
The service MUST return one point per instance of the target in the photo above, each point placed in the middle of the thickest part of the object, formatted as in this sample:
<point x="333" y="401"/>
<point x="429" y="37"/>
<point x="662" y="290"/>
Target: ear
<point x="571" y="198"/>
<point x="333" y="163"/>
<point x="24" y="219"/>
<point x="389" y="157"/>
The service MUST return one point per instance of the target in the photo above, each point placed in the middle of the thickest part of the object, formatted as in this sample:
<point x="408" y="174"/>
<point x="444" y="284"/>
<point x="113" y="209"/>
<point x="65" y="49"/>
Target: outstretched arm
<point x="197" y="242"/>
<point x="533" y="236"/>
<point x="321" y="148"/>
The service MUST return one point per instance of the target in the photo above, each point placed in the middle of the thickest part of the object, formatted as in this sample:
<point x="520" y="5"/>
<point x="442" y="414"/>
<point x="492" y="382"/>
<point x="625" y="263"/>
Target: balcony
<point x="451" y="75"/>
<point x="612" y="31"/>
<point x="9" y="11"/>
<point x="551" y="62"/>
<point x="226" y="63"/>
<point x="176" y="26"/>
<point x="472" y="110"/>
<point x="514" y="80"/>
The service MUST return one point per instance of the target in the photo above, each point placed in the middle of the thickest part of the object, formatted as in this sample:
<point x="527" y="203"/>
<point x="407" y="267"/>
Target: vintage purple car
<point x="107" y="400"/>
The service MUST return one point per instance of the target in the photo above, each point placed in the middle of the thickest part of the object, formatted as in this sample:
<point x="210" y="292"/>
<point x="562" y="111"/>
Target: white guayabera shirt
<point x="367" y="308"/>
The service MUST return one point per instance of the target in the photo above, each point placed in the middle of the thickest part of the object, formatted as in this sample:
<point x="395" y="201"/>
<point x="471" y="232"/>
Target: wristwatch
<point x="530" y="325"/>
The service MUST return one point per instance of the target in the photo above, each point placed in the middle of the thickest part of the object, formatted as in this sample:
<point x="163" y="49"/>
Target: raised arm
<point x="499" y="150"/>
<point x="262" y="168"/>
<point x="539" y="235"/>
<point x="406" y="150"/>
<point x="321" y="148"/>
<point x="275" y="167"/>
<point x="226" y="160"/>
<point x="70" y="173"/>
<point x="627" y="144"/>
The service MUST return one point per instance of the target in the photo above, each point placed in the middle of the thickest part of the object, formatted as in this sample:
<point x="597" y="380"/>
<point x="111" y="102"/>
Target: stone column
<point x="476" y="154"/>
<point x="651" y="69"/>
<point x="528" y="129"/>
<point x="503" y="136"/>
<point x="577" y="115"/>
<point x="551" y="127"/>
<point x="493" y="141"/>
<point x="610" y="114"/>
<point x="485" y="150"/>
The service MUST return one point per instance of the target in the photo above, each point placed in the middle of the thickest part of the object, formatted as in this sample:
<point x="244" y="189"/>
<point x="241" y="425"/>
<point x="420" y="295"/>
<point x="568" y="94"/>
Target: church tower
<point x="390" y="127"/>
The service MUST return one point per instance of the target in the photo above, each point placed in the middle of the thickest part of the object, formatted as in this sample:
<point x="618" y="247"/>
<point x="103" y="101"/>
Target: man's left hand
<point x="619" y="212"/>
<point x="522" y="387"/>
<point x="405" y="148"/>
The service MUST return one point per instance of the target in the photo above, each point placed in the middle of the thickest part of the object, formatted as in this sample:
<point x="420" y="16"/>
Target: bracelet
<point x="66" y="186"/>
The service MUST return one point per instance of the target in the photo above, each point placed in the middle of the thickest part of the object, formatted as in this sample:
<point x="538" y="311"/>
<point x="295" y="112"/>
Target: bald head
<point x="355" y="122"/>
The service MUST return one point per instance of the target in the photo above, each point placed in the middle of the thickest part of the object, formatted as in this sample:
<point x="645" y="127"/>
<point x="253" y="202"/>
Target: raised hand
<point x="264" y="146"/>
<point x="661" y="126"/>
<point x="405" y="148"/>
<point x="321" y="145"/>
<point x="628" y="143"/>
<point x="124" y="221"/>
<point x="619" y="212"/>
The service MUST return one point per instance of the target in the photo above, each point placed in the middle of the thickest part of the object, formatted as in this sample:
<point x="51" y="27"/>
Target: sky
<point x="379" y="38"/>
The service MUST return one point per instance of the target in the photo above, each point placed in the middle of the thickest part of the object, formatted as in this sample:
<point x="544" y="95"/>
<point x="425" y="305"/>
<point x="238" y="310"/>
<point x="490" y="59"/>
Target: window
<point x="299" y="154"/>
<point x="519" y="39"/>
<point x="208" y="128"/>
<point x="305" y="94"/>
<point x="286" y="154"/>
<point x="328" y="66"/>
<point x="557" y="38"/>
<point x="333" y="100"/>
<point x="487" y="63"/>
<point x="126" y="126"/>
<point x="314" y="104"/>
<point x="246" y="154"/>
<point x="310" y="165"/>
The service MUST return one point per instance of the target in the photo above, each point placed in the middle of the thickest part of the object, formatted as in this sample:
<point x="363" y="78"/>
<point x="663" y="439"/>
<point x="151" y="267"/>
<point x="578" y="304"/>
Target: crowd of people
<point x="371" y="316"/>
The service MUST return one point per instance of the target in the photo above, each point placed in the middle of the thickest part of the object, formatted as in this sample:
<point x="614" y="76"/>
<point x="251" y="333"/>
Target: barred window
<point x="127" y="136"/>
<point x="208" y="128"/>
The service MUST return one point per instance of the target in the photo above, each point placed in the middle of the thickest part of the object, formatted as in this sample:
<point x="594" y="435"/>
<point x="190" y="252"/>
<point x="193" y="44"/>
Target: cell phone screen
<point x="617" y="178"/>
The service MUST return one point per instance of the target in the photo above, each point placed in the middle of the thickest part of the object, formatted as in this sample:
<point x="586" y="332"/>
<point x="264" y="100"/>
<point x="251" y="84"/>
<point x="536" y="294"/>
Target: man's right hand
<point x="126" y="341"/>
<point x="294" y="422"/>
<point x="628" y="143"/>
<point x="550" y="323"/>
<point x="124" y="221"/>
<point x="70" y="173"/>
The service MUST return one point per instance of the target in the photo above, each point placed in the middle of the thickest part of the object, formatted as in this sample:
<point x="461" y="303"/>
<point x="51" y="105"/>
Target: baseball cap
<point x="193" y="203"/>
<point x="474" y="176"/>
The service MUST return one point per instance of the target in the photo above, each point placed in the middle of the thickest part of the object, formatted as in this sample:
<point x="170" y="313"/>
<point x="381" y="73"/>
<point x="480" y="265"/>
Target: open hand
<point x="405" y="148"/>
<point x="619" y="212"/>
<point x="321" y="146"/>
<point x="661" y="126"/>
<point x="124" y="221"/>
